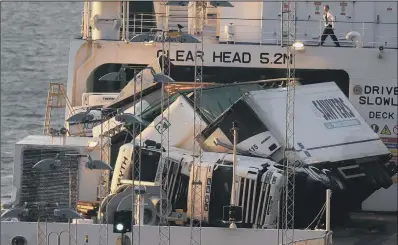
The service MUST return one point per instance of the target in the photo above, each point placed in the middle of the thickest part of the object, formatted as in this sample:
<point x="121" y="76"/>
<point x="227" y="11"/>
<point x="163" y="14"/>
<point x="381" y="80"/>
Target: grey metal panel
<point x="49" y="187"/>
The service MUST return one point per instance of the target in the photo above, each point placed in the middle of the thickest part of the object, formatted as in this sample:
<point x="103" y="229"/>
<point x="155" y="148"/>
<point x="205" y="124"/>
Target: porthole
<point x="19" y="240"/>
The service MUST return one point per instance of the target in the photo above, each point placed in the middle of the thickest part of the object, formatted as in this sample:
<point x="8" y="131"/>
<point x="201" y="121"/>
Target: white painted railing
<point x="325" y="239"/>
<point x="251" y="31"/>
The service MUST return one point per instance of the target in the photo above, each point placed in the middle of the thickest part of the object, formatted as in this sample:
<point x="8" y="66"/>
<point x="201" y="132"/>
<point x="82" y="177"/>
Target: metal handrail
<point x="139" y="24"/>
<point x="142" y="22"/>
<point x="58" y="236"/>
<point x="324" y="237"/>
<point x="278" y="19"/>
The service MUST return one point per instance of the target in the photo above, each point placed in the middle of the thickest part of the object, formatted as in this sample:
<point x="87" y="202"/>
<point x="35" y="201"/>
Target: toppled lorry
<point x="334" y="149"/>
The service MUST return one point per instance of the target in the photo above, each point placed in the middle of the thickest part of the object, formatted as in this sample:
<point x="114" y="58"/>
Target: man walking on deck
<point x="329" y="26"/>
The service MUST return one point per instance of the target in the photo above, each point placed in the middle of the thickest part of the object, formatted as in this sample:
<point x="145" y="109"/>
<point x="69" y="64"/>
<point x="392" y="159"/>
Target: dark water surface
<point x="34" y="52"/>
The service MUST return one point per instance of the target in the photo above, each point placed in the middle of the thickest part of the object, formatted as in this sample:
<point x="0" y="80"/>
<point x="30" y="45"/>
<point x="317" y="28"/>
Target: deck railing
<point x="268" y="31"/>
<point x="325" y="239"/>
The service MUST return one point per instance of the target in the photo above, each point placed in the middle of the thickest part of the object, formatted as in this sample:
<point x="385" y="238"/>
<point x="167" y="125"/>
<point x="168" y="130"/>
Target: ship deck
<point x="368" y="229"/>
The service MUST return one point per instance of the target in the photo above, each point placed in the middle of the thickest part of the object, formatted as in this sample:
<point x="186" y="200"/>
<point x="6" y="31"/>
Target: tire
<point x="383" y="178"/>
<point x="371" y="180"/>
<point x="336" y="182"/>
<point x="320" y="176"/>
<point x="339" y="183"/>
<point x="388" y="180"/>
<point x="379" y="173"/>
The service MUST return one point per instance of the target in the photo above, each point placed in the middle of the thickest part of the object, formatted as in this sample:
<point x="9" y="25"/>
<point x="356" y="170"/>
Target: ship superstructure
<point x="153" y="91"/>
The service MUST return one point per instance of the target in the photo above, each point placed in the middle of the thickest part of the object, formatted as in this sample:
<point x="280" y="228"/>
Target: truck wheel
<point x="370" y="178"/>
<point x="320" y="176"/>
<point x="379" y="174"/>
<point x="337" y="183"/>
<point x="383" y="178"/>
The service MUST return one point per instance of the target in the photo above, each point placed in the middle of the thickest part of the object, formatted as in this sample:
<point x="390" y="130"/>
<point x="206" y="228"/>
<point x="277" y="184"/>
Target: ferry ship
<point x="114" y="70"/>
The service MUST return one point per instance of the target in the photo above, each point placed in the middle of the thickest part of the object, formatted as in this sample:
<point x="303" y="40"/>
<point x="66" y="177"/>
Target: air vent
<point x="48" y="187"/>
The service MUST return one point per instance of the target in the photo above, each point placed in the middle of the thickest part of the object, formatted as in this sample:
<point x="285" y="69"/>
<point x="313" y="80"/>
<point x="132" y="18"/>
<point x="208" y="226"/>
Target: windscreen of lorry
<point x="248" y="122"/>
<point x="214" y="101"/>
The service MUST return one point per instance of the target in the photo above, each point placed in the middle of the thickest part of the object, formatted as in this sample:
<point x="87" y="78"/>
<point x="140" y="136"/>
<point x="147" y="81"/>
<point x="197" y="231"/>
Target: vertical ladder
<point x="57" y="99"/>
<point x="54" y="100"/>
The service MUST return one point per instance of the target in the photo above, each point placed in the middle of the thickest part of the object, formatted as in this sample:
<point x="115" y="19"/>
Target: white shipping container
<point x="326" y="125"/>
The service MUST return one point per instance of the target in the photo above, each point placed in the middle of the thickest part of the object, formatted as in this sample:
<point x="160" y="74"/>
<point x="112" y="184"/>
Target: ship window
<point x="94" y="85"/>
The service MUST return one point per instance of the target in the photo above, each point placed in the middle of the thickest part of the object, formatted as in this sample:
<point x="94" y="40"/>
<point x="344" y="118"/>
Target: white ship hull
<point x="365" y="73"/>
<point x="149" y="235"/>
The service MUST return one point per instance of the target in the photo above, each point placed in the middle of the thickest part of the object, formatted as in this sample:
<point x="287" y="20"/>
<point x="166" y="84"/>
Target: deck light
<point x="298" y="46"/>
<point x="122" y="221"/>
